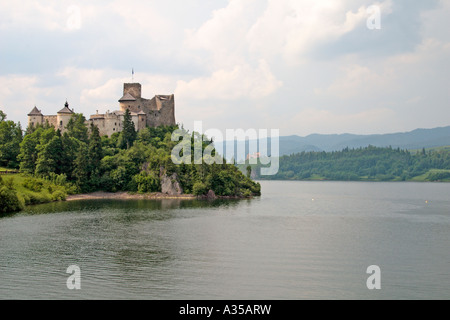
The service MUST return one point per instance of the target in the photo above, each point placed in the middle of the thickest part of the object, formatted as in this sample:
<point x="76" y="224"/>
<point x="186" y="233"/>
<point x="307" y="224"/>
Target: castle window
<point x="32" y="124"/>
<point x="114" y="129"/>
<point x="60" y="123"/>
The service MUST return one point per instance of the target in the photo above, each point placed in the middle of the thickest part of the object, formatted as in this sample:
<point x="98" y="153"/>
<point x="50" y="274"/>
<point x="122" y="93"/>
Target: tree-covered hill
<point x="365" y="164"/>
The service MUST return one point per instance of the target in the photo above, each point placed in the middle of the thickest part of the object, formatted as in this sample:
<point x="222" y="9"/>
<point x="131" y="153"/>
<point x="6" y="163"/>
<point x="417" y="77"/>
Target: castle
<point x="144" y="112"/>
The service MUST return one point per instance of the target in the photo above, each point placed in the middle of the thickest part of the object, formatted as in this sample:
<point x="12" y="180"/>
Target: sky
<point x="300" y="66"/>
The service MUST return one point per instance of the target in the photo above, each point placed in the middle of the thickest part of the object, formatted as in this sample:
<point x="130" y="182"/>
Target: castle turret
<point x="135" y="89"/>
<point x="132" y="94"/>
<point x="63" y="117"/>
<point x="35" y="117"/>
<point x="142" y="120"/>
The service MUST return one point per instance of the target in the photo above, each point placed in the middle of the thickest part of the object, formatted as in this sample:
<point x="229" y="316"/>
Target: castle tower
<point x="142" y="120"/>
<point x="132" y="94"/>
<point x="35" y="117"/>
<point x="63" y="117"/>
<point x="135" y="89"/>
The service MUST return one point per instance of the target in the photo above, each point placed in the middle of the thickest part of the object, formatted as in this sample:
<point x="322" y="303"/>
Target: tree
<point x="128" y="135"/>
<point x="10" y="139"/>
<point x="70" y="149"/>
<point x="50" y="157"/>
<point x="9" y="202"/>
<point x="2" y="116"/>
<point x="80" y="172"/>
<point x="76" y="128"/>
<point x="28" y="151"/>
<point x="95" y="153"/>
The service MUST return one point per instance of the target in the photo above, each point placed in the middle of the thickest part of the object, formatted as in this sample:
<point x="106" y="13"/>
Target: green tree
<point x="50" y="157"/>
<point x="95" y="151"/>
<point x="28" y="151"/>
<point x="76" y="128"/>
<point x="128" y="135"/>
<point x="70" y="149"/>
<point x="2" y="116"/>
<point x="9" y="202"/>
<point x="81" y="163"/>
<point x="10" y="139"/>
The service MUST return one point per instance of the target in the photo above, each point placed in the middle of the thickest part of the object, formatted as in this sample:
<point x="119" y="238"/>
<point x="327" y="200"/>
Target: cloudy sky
<point x="301" y="66"/>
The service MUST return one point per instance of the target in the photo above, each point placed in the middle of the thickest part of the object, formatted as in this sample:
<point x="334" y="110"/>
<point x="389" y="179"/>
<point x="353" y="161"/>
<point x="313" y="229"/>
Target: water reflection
<point x="129" y="205"/>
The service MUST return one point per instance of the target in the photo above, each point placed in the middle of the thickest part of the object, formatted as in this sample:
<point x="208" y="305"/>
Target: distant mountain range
<point x="417" y="139"/>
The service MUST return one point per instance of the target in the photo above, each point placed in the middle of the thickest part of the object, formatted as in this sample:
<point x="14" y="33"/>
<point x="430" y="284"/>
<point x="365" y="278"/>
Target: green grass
<point x="31" y="190"/>
<point x="433" y="175"/>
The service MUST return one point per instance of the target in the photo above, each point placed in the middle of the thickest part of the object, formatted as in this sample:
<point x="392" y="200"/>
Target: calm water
<point x="300" y="240"/>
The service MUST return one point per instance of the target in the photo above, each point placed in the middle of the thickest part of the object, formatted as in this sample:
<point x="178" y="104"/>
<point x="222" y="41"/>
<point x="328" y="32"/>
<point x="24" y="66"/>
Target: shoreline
<point x="101" y="195"/>
<point x="128" y="196"/>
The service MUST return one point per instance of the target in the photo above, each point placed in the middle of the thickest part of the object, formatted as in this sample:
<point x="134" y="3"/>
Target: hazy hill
<point x="417" y="139"/>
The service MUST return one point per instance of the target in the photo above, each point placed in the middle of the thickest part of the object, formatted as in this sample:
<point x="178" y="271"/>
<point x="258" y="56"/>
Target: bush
<point x="147" y="182"/>
<point x="33" y="184"/>
<point x="438" y="175"/>
<point x="59" y="195"/>
<point x="199" y="189"/>
<point x="247" y="193"/>
<point x="31" y="198"/>
<point x="9" y="202"/>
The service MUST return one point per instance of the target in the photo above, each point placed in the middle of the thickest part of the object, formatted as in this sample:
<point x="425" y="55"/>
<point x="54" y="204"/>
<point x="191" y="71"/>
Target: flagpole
<point x="132" y="75"/>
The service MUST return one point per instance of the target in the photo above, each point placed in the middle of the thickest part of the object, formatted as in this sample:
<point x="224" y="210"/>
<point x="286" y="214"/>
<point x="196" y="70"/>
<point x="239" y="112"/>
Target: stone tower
<point x="35" y="117"/>
<point x="63" y="116"/>
<point x="160" y="110"/>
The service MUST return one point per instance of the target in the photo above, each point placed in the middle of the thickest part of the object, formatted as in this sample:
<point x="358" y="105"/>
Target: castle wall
<point x="52" y="120"/>
<point x="142" y="122"/>
<point x="111" y="123"/>
<point x="161" y="111"/>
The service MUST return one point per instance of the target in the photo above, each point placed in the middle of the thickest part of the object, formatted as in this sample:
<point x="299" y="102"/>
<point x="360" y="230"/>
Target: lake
<point x="300" y="240"/>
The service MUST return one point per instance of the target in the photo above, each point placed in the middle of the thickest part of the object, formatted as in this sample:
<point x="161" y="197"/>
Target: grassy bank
<point x="20" y="190"/>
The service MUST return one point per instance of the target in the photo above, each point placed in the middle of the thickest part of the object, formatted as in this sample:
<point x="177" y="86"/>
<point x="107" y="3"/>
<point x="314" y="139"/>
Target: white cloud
<point x="239" y="82"/>
<point x="291" y="28"/>
<point x="323" y="121"/>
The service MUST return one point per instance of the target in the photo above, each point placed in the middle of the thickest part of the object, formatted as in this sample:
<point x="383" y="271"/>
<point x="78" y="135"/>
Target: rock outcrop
<point x="170" y="185"/>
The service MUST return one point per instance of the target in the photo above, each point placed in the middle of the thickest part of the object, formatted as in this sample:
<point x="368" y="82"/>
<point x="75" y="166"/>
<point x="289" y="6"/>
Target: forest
<point x="53" y="164"/>
<point x="365" y="164"/>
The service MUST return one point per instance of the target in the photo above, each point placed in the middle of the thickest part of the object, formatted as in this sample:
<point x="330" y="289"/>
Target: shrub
<point x="33" y="184"/>
<point x="147" y="182"/>
<point x="59" y="195"/>
<point x="9" y="202"/>
<point x="36" y="198"/>
<point x="247" y="193"/>
<point x="199" y="189"/>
